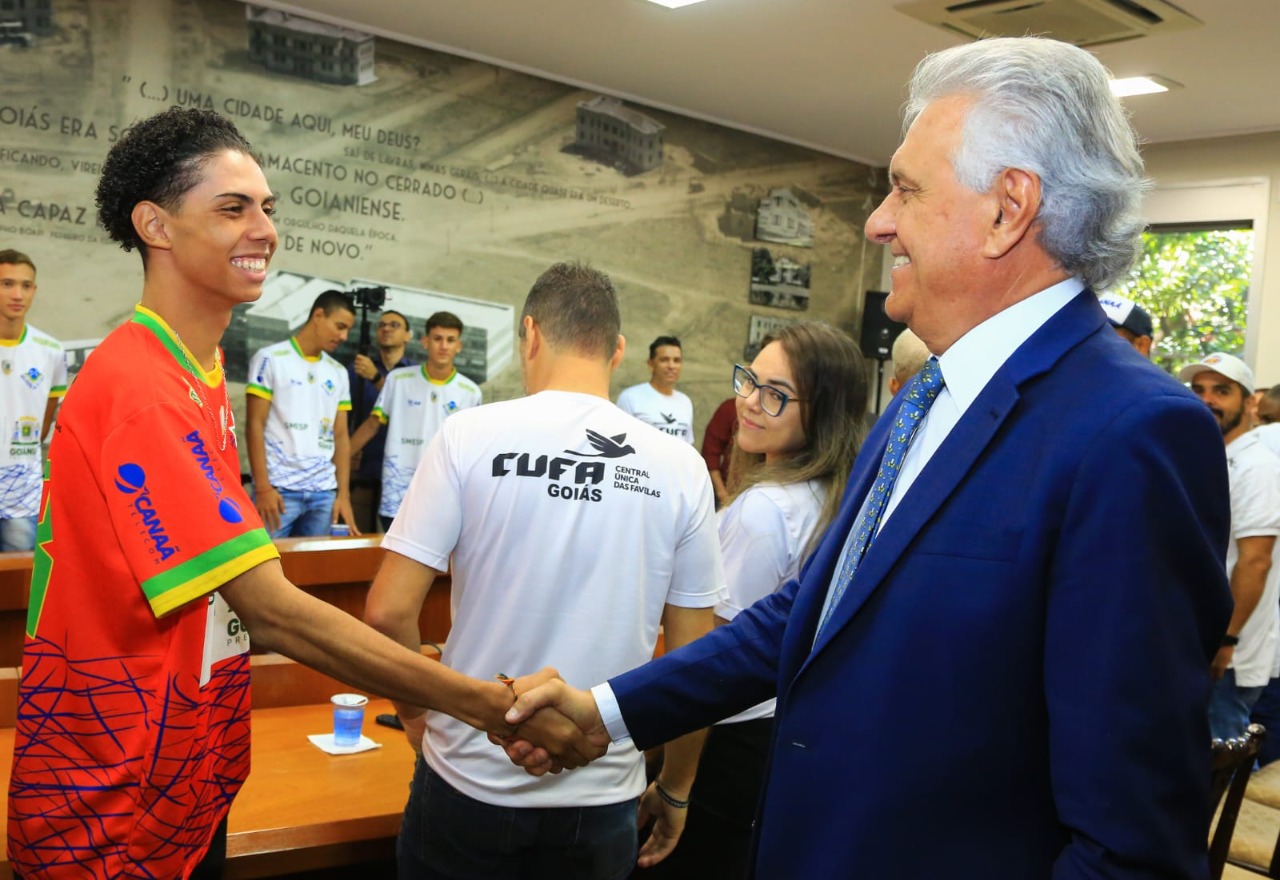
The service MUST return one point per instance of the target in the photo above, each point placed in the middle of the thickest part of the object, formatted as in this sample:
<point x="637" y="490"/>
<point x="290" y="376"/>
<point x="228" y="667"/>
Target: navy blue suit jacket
<point x="1015" y="684"/>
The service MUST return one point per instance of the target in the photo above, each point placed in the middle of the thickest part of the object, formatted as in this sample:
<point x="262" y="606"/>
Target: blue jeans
<point x="1229" y="706"/>
<point x="446" y="835"/>
<point x="18" y="533"/>
<point x="306" y="514"/>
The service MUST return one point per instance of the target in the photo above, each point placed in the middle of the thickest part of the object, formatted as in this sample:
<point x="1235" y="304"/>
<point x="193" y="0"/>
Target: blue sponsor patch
<point x="228" y="509"/>
<point x="131" y="480"/>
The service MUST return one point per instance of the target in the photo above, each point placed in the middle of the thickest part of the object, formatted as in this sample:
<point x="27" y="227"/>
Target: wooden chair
<point x="1232" y="763"/>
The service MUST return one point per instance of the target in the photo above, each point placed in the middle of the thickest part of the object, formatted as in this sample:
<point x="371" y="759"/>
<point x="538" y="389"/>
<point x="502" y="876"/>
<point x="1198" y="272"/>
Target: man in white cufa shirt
<point x="657" y="402"/>
<point x="297" y="402"/>
<point x="33" y="378"/>
<point x="1247" y="659"/>
<point x="574" y="531"/>
<point x="413" y="404"/>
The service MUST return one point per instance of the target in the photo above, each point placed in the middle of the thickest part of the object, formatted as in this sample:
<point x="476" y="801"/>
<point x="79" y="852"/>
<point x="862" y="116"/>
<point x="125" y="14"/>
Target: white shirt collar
<point x="968" y="365"/>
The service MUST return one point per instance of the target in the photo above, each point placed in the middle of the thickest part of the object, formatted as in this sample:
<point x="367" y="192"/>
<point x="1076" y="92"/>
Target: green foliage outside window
<point x="1195" y="286"/>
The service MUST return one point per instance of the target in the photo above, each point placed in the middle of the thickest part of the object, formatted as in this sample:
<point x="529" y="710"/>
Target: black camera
<point x="369" y="297"/>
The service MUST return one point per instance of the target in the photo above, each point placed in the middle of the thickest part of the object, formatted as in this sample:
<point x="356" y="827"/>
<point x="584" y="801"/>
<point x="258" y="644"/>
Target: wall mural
<point x="450" y="182"/>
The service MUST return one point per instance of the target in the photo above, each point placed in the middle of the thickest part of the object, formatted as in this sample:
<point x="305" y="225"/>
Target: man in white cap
<point x="1130" y="321"/>
<point x="1247" y="659"/>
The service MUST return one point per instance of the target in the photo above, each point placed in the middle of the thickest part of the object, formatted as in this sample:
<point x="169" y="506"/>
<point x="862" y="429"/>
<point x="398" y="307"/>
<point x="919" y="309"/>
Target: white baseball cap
<point x="1227" y="364"/>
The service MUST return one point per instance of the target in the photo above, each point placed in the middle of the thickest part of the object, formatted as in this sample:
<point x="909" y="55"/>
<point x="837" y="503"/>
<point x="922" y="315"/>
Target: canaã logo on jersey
<point x="131" y="480"/>
<point x="228" y="509"/>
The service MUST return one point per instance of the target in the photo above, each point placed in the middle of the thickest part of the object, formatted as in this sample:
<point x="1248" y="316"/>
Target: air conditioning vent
<point x="1082" y="22"/>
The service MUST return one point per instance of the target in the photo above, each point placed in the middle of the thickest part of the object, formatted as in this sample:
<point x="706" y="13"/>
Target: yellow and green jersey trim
<point x="427" y="376"/>
<point x="163" y="332"/>
<point x="293" y="340"/>
<point x="200" y="575"/>
<point x="14" y="343"/>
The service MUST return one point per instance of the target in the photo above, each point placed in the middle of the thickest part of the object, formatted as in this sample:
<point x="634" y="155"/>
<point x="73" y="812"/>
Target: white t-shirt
<point x="671" y="414"/>
<point x="306" y="395"/>
<point x="763" y="537"/>
<point x="32" y="370"/>
<point x="413" y="407"/>
<point x="1270" y="437"/>
<point x="1255" y="510"/>
<point x="571" y="526"/>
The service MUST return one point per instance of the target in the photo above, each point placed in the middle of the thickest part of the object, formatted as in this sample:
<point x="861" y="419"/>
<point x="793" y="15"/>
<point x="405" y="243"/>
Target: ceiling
<point x="827" y="74"/>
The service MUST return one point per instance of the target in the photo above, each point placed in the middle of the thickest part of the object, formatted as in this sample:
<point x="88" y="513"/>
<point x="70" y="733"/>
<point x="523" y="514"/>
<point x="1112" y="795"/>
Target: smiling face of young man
<point x="442" y="345"/>
<point x="220" y="238"/>
<point x="665" y="367"/>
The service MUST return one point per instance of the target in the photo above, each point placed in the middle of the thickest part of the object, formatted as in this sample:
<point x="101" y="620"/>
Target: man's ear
<point x="1017" y="202"/>
<point x="149" y="222"/>
<point x="617" y="355"/>
<point x="532" y="334"/>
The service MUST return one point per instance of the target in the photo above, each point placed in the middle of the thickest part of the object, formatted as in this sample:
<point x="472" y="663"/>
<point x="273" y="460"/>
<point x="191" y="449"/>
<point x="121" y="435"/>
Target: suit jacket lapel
<point x="1081" y="317"/>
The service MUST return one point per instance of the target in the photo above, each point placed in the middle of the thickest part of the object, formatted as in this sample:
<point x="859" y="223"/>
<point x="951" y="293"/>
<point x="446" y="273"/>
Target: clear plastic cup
<point x="348" y="718"/>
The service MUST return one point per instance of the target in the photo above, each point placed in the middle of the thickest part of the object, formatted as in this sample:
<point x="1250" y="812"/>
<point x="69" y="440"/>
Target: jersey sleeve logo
<point x="131" y="481"/>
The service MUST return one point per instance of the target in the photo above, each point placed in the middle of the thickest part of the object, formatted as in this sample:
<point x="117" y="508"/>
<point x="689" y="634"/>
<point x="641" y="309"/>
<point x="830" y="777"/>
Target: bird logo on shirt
<point x="606" y="447"/>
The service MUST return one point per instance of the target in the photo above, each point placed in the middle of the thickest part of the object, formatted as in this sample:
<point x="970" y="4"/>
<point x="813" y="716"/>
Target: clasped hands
<point x="556" y="727"/>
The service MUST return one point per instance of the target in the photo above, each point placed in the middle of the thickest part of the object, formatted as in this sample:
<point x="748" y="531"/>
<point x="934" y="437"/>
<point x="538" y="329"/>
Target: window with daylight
<point x="1193" y="279"/>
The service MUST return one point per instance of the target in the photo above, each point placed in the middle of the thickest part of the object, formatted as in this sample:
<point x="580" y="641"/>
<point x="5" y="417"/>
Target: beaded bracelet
<point x="668" y="799"/>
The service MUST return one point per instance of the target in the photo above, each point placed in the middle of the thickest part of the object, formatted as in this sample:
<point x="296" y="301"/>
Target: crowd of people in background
<point x="1010" y="616"/>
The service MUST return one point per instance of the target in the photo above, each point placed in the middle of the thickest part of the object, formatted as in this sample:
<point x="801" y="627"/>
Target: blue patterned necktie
<point x="919" y="396"/>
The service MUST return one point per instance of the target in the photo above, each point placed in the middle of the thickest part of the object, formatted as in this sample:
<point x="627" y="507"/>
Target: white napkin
<point x="324" y="742"/>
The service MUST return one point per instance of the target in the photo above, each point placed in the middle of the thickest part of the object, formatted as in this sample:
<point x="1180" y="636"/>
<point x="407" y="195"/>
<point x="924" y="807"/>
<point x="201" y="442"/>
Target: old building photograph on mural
<point x="450" y="182"/>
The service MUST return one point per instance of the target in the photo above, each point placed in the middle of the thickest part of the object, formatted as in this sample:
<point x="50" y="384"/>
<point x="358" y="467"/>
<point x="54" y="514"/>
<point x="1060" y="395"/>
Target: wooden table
<point x="302" y="809"/>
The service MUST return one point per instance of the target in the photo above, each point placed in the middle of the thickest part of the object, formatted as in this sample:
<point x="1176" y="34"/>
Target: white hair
<point x="1045" y="106"/>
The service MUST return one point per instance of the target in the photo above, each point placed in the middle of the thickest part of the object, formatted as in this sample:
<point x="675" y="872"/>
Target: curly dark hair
<point x="158" y="160"/>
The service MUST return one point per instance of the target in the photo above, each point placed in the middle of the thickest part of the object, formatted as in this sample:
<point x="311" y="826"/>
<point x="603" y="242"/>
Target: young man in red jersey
<point x="133" y="728"/>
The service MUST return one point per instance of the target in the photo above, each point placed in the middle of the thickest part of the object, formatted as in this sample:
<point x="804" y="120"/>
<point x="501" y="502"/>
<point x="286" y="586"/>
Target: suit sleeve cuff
<point x="610" y="713"/>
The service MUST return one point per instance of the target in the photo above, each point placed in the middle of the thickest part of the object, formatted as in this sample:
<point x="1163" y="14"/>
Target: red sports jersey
<point x="133" y="718"/>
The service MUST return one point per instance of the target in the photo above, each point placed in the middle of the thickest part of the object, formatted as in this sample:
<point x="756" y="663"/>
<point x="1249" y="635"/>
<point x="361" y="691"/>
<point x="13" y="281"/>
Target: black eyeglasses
<point x="772" y="400"/>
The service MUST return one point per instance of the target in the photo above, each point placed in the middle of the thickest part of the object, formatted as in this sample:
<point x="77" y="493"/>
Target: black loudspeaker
<point x="878" y="329"/>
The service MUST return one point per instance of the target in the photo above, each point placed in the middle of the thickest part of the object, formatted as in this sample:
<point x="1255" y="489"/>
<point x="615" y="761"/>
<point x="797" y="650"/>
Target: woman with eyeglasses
<point x="801" y="407"/>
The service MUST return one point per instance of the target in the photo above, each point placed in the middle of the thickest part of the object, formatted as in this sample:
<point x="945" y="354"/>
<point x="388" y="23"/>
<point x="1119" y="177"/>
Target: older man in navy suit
<point x="996" y="665"/>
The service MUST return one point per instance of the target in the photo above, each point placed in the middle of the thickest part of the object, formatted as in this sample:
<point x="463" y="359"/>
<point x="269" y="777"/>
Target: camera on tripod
<point x="369" y="297"/>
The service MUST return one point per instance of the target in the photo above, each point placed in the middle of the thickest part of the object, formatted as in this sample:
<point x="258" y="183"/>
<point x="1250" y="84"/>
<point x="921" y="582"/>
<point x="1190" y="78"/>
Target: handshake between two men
<point x="554" y="726"/>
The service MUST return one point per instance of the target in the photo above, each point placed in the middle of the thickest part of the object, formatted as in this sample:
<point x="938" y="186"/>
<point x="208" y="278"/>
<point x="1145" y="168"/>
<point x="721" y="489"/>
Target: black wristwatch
<point x="1230" y="641"/>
